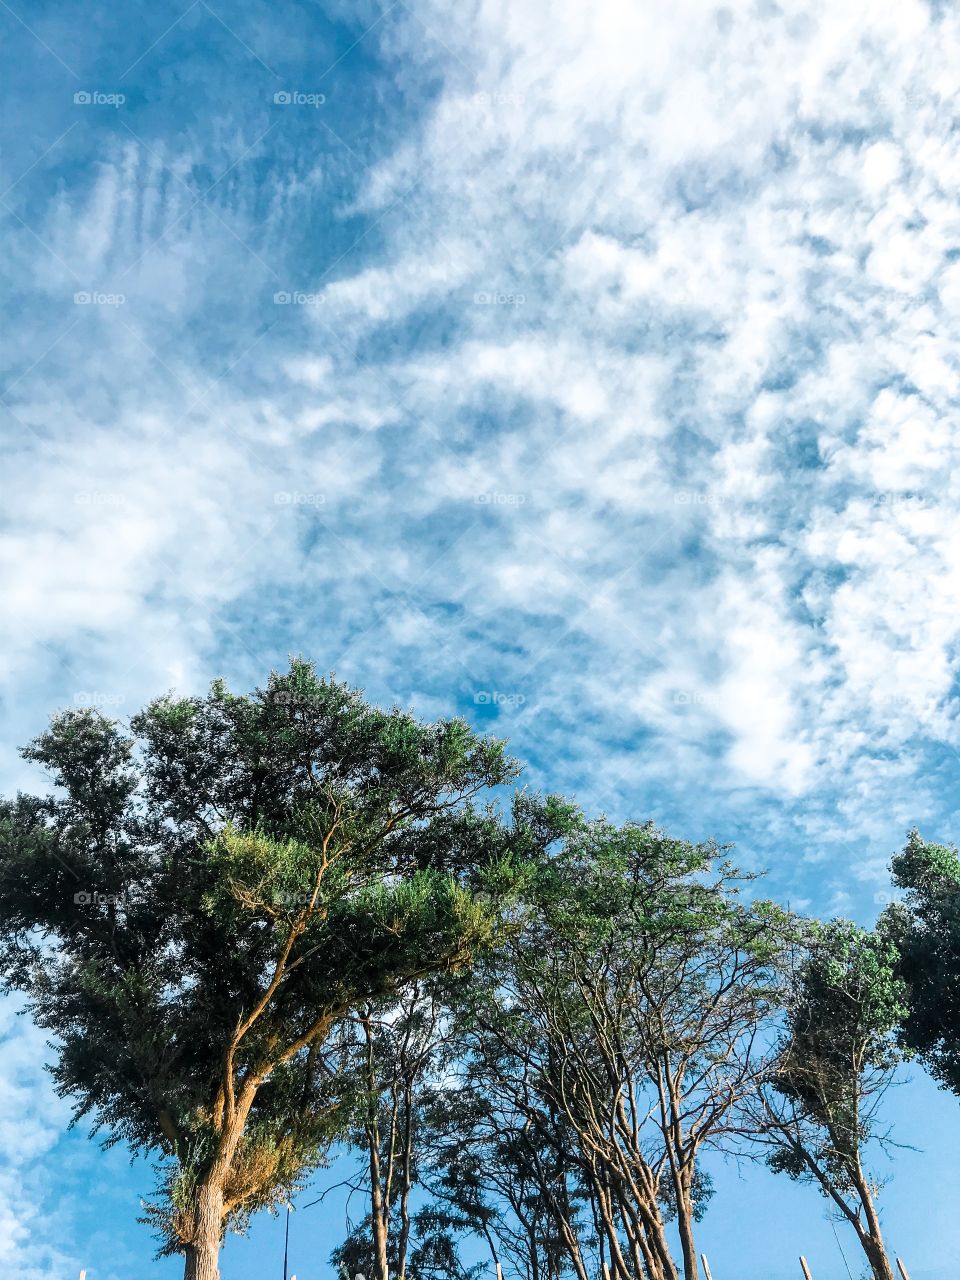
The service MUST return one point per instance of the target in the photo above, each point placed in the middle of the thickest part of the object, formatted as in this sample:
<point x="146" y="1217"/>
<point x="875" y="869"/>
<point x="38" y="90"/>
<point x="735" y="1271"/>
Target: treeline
<point x="262" y="927"/>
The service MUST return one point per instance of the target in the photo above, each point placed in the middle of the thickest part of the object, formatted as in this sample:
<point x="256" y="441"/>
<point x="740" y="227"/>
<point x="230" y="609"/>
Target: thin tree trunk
<point x="871" y="1235"/>
<point x="378" y="1213"/>
<point x="872" y="1241"/>
<point x="656" y="1249"/>
<point x="610" y="1233"/>
<point x="379" y="1209"/>
<point x="681" y="1165"/>
<point x="685" y="1229"/>
<point x="403" y="1241"/>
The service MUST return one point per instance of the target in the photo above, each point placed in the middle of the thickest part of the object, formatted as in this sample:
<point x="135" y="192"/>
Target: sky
<point x="584" y="370"/>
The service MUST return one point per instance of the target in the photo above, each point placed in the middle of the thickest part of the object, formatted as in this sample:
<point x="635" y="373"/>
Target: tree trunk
<point x="872" y="1238"/>
<point x="379" y="1209"/>
<point x="873" y="1246"/>
<point x="202" y="1254"/>
<point x="685" y="1229"/>
<point x="379" y="1205"/>
<point x="381" y="1256"/>
<point x="877" y="1257"/>
<point x="660" y="1264"/>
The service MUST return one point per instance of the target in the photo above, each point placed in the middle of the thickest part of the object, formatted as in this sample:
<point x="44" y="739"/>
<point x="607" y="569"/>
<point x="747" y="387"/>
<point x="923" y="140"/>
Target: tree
<point x="204" y="898"/>
<point x="502" y="1169"/>
<point x="390" y="1051"/>
<point x="606" y="1048"/>
<point x="926" y="928"/>
<point x="835" y="1061"/>
<point x="400" y="1054"/>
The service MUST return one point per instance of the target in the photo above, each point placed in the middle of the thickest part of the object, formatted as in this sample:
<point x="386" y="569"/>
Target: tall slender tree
<point x="391" y="1051"/>
<point x="202" y="899"/>
<point x="836" y="1060"/>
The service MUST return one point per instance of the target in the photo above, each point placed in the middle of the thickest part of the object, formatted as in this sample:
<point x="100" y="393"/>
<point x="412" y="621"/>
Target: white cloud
<point x="378" y="294"/>
<point x="638" y="384"/>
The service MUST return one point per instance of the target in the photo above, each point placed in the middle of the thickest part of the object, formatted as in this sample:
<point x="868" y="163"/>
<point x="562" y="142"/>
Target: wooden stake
<point x="706" y="1266"/>
<point x="903" y="1270"/>
<point x="806" y="1269"/>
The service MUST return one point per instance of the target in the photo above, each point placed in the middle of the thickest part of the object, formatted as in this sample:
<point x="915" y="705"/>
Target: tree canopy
<point x="836" y="1059"/>
<point x="204" y="896"/>
<point x="926" y="928"/>
<point x="260" y="927"/>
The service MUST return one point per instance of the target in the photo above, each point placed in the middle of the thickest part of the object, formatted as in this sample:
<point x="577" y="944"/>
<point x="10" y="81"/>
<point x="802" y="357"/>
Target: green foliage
<point x="838" y="1053"/>
<point x="202" y="898"/>
<point x="926" y="929"/>
<point x="559" y="1016"/>
<point x="434" y="1253"/>
<point x="636" y="964"/>
<point x="402" y="1053"/>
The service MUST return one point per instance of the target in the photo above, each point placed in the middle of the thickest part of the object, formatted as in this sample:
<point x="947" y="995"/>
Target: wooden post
<point x="903" y="1270"/>
<point x="806" y="1269"/>
<point x="499" y="1272"/>
<point x="706" y="1266"/>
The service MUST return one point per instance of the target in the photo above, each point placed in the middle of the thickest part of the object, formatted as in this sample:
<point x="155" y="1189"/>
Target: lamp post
<point x="286" y="1241"/>
<point x="286" y="1236"/>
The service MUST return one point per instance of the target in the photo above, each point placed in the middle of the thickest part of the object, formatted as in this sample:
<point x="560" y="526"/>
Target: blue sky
<point x="585" y="370"/>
